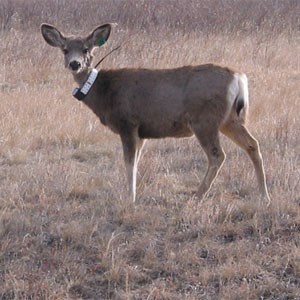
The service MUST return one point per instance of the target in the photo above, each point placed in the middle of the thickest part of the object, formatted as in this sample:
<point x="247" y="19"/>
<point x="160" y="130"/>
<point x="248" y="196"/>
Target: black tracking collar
<point x="80" y="93"/>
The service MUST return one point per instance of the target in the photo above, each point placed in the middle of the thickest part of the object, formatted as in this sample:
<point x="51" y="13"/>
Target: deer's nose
<point x="75" y="65"/>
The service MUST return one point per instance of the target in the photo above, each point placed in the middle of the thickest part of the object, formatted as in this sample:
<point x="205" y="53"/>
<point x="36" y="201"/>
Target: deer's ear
<point x="52" y="35"/>
<point x="99" y="35"/>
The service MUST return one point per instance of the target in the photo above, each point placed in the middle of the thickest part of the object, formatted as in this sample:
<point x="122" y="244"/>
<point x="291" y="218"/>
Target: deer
<point x="140" y="104"/>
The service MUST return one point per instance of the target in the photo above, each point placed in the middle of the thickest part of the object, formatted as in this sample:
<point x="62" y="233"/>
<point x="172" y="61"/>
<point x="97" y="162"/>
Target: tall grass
<point x="67" y="229"/>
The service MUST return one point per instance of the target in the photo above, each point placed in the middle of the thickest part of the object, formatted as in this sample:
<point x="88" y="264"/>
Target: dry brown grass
<point x="66" y="229"/>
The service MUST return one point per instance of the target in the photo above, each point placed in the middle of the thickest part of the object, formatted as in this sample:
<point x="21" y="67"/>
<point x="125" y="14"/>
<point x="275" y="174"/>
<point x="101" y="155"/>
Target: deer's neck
<point x="82" y="77"/>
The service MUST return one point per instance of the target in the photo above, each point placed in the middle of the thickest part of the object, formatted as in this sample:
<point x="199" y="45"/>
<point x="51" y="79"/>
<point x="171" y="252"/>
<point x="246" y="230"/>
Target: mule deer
<point x="141" y="104"/>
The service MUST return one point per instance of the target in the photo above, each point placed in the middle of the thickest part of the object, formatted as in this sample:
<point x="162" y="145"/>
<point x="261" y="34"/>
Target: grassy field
<point x="67" y="229"/>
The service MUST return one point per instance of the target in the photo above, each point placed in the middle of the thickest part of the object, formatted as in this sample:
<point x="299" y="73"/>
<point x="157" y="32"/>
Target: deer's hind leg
<point x="210" y="142"/>
<point x="238" y="133"/>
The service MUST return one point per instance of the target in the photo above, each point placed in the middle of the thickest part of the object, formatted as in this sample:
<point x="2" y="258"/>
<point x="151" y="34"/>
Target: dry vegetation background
<point x="66" y="229"/>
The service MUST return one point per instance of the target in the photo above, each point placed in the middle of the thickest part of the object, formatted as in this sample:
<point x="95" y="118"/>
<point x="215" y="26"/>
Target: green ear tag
<point x="102" y="41"/>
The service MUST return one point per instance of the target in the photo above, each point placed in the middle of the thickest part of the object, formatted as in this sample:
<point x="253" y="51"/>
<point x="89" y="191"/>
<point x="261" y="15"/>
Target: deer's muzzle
<point x="74" y="65"/>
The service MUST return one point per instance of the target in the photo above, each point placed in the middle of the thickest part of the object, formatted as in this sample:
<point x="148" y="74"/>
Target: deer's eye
<point x="85" y="50"/>
<point x="65" y="51"/>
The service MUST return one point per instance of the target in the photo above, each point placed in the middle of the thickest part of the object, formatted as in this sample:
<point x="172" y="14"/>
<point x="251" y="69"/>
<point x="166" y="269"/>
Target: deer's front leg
<point x="131" y="148"/>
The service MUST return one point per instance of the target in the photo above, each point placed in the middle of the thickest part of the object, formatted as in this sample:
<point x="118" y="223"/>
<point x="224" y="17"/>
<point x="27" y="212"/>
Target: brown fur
<point x="139" y="104"/>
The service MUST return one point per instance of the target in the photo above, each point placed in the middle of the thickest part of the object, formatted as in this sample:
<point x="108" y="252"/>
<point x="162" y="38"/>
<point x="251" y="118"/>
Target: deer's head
<point x="78" y="51"/>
